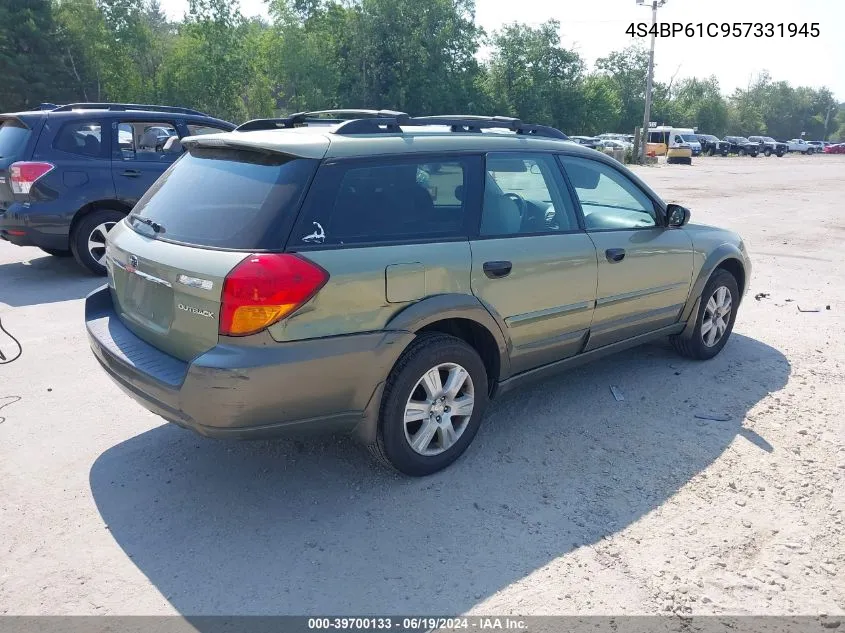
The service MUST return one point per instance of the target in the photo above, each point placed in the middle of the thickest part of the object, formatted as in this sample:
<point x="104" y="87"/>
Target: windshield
<point x="225" y="198"/>
<point x="769" y="139"/>
<point x="690" y="138"/>
<point x="13" y="136"/>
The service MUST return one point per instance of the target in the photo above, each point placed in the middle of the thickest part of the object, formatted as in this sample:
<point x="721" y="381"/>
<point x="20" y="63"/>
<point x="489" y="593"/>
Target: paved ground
<point x="568" y="501"/>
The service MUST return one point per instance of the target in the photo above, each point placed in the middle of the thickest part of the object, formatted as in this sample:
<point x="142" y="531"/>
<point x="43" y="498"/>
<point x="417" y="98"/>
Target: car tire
<point x="767" y="153"/>
<point x="413" y="443"/>
<point x="57" y="252"/>
<point x="87" y="236"/>
<point x="810" y="152"/>
<point x="705" y="342"/>
<point x="741" y="152"/>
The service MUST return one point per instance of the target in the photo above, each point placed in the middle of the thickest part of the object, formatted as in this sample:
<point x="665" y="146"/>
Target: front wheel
<point x="433" y="404"/>
<point x="88" y="241"/>
<point x="741" y="152"/>
<point x="714" y="320"/>
<point x="810" y="152"/>
<point x="767" y="153"/>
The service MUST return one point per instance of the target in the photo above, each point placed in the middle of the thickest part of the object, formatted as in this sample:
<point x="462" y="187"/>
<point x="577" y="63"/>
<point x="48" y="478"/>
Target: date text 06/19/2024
<point x="724" y="29"/>
<point x="413" y="624"/>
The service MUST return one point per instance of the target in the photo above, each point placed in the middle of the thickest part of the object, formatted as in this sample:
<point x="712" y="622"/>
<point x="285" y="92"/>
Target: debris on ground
<point x="718" y="417"/>
<point x="815" y="309"/>
<point x="617" y="393"/>
<point x="762" y="295"/>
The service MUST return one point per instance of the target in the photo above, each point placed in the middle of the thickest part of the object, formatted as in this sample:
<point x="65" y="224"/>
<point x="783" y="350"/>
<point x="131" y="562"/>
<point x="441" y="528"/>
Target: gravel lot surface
<point x="569" y="501"/>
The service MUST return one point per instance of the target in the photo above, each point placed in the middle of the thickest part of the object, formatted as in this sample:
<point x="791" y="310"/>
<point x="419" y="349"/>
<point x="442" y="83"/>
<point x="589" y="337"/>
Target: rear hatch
<point x="15" y="135"/>
<point x="209" y="212"/>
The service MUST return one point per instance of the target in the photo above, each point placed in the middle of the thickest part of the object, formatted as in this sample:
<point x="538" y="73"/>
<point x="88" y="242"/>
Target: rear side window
<point x="80" y="137"/>
<point x="223" y="198"/>
<point x="13" y="137"/>
<point x="389" y="200"/>
<point x="200" y="130"/>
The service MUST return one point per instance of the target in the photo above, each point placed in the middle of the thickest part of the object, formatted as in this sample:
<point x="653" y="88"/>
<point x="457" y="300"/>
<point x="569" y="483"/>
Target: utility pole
<point x="650" y="82"/>
<point x="827" y="120"/>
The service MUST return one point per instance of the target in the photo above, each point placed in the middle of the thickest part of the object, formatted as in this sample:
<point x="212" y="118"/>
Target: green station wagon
<point x="385" y="275"/>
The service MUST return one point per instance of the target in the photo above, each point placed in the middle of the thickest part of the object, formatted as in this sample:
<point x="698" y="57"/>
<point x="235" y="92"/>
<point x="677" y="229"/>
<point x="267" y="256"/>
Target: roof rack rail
<point x="316" y="116"/>
<point x="351" y="122"/>
<point x="47" y="106"/>
<point x="456" y="123"/>
<point x="127" y="106"/>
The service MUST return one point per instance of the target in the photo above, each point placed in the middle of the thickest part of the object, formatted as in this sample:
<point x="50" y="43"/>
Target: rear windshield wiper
<point x="155" y="226"/>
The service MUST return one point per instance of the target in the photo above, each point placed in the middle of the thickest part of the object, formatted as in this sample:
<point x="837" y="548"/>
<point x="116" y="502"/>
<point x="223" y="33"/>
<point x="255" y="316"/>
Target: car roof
<point x="321" y="142"/>
<point x="149" y="115"/>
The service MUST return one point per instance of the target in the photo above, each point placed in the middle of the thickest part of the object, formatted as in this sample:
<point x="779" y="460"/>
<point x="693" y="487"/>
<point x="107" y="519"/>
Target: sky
<point x="596" y="27"/>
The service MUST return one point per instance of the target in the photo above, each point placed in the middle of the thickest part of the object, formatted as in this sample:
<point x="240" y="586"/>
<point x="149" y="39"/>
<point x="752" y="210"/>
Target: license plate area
<point x="148" y="301"/>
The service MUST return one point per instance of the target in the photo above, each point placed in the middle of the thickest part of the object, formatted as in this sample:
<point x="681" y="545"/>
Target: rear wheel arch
<point x="89" y="227"/>
<point x="108" y="205"/>
<point x="466" y="318"/>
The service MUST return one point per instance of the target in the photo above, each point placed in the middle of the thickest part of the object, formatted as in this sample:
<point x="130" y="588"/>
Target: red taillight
<point x="265" y="288"/>
<point x="23" y="175"/>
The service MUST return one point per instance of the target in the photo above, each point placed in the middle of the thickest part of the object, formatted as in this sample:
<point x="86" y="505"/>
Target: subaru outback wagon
<point x="387" y="275"/>
<point x="69" y="173"/>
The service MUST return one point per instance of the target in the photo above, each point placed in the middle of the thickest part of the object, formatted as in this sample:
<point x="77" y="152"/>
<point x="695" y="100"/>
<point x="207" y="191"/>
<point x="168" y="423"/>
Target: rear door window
<point x="390" y="200"/>
<point x="145" y="141"/>
<point x="13" y="137"/>
<point x="225" y="198"/>
<point x="83" y="138"/>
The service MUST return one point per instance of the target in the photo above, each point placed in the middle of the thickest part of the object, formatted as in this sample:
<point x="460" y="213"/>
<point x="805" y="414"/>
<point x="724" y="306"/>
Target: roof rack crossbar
<point x="127" y="106"/>
<point x="317" y="117"/>
<point x="383" y="125"/>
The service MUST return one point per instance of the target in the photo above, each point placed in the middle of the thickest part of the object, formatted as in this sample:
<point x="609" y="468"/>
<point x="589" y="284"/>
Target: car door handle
<point x="498" y="269"/>
<point x="615" y="255"/>
<point x="131" y="173"/>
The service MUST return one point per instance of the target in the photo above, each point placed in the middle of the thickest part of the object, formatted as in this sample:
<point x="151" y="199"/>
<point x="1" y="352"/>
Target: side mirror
<point x="676" y="215"/>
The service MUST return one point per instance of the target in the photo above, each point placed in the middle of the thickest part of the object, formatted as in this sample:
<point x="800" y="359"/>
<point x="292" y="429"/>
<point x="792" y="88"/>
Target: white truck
<point x="800" y="145"/>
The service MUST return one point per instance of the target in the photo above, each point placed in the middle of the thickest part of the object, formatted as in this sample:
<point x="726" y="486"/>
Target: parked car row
<point x="605" y="141"/>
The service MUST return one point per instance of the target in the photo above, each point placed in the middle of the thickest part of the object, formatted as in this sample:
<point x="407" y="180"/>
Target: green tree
<point x="210" y="66"/>
<point x="532" y="77"/>
<point x="601" y="105"/>
<point x="28" y="50"/>
<point x="699" y="103"/>
<point x="627" y="70"/>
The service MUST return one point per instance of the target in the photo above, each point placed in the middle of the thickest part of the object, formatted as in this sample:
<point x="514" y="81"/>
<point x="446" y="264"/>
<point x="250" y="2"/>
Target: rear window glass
<point x="83" y="138"/>
<point x="226" y="199"/>
<point x="13" y="136"/>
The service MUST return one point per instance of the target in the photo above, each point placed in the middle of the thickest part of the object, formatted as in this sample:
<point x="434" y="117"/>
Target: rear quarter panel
<point x="368" y="285"/>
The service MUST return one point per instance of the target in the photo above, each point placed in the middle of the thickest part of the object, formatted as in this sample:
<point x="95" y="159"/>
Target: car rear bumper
<point x="248" y="389"/>
<point x="35" y="224"/>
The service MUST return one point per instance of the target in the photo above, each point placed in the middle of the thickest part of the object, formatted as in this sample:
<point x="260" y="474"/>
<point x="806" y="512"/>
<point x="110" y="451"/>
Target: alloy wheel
<point x="438" y="409"/>
<point x="97" y="242"/>
<point x="717" y="316"/>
